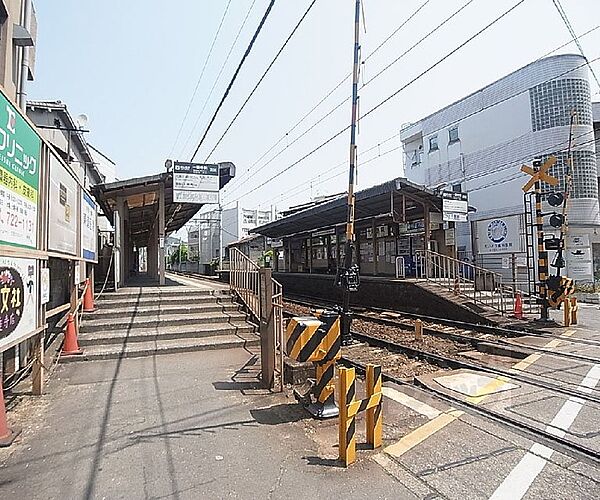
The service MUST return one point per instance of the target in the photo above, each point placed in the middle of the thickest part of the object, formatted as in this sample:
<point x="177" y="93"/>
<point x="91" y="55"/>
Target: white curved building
<point x="478" y="144"/>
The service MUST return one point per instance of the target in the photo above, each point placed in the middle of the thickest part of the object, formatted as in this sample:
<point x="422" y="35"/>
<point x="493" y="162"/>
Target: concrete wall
<point x="396" y="295"/>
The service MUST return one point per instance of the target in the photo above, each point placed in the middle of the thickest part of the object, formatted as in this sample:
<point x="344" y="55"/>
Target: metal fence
<point x="244" y="281"/>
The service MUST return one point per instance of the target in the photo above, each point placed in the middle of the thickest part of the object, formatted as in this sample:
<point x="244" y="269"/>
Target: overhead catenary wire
<point x="235" y="75"/>
<point x="281" y="49"/>
<point x="323" y="99"/>
<point x="189" y="105"/>
<point x="237" y="36"/>
<point x="567" y="23"/>
<point x="386" y="100"/>
<point x="341" y="103"/>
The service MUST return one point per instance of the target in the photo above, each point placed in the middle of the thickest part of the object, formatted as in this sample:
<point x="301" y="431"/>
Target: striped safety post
<point x="317" y="339"/>
<point x="350" y="407"/>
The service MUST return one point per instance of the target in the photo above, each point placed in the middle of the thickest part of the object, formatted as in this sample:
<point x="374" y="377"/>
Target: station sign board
<point x="63" y="210"/>
<point x="500" y="235"/>
<point x="455" y="206"/>
<point x="195" y="183"/>
<point x="18" y="299"/>
<point x="89" y="227"/>
<point x="19" y="178"/>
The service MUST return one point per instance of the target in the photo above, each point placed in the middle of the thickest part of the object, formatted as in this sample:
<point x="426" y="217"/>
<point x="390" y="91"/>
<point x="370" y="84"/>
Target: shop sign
<point x="88" y="227"/>
<point x="19" y="178"/>
<point x="63" y="209"/>
<point x="18" y="298"/>
<point x="499" y="235"/>
<point x="195" y="183"/>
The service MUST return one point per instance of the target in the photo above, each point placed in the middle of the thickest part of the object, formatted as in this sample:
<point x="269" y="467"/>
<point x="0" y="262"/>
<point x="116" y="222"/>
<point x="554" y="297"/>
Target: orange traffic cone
<point x="7" y="435"/>
<point x="518" y="306"/>
<point x="88" y="298"/>
<point x="70" y="345"/>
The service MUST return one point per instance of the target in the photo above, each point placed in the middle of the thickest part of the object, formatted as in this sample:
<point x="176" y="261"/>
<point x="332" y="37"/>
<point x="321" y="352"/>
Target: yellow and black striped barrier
<point x="317" y="339"/>
<point x="350" y="407"/>
<point x="559" y="290"/>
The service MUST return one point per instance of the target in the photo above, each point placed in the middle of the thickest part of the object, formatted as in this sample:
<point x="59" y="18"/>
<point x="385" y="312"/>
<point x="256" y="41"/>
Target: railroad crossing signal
<point x="540" y="175"/>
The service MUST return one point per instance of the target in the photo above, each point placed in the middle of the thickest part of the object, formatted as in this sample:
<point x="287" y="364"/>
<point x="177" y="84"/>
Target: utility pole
<point x="348" y="277"/>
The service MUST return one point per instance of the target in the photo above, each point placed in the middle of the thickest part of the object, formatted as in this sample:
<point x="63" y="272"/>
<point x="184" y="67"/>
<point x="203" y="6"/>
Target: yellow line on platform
<point x="422" y="433"/>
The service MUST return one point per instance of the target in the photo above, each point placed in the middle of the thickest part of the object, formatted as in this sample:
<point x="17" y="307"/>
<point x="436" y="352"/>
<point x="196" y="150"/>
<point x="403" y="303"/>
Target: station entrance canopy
<point x="143" y="212"/>
<point x="398" y="198"/>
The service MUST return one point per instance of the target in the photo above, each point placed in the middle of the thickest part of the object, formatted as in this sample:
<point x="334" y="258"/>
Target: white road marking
<point x="520" y="479"/>
<point x="410" y="402"/>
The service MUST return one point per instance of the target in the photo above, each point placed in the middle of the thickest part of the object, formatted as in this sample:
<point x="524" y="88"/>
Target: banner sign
<point x="455" y="206"/>
<point x="88" y="227"/>
<point x="18" y="298"/>
<point x="62" y="210"/>
<point x="19" y="178"/>
<point x="195" y="183"/>
<point x="500" y="235"/>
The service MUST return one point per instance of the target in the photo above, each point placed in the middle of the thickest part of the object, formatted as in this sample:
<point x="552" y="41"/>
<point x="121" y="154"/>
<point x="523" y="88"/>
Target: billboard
<point x="195" y="183"/>
<point x="500" y="235"/>
<point x="19" y="178"/>
<point x="89" y="227"/>
<point x="18" y="299"/>
<point x="62" y="209"/>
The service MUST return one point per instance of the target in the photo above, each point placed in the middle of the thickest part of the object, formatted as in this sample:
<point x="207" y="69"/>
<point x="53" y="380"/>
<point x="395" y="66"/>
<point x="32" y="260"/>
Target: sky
<point x="133" y="67"/>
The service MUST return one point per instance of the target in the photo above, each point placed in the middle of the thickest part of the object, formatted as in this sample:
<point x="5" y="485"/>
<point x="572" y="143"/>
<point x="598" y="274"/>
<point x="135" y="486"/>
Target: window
<point x="453" y="134"/>
<point x="433" y="143"/>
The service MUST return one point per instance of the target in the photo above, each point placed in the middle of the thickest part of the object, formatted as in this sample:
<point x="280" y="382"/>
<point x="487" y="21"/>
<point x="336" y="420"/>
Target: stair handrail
<point x="244" y="281"/>
<point x="463" y="278"/>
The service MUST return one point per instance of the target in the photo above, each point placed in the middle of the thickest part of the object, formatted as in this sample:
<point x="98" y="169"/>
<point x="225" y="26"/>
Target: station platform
<point x="404" y="295"/>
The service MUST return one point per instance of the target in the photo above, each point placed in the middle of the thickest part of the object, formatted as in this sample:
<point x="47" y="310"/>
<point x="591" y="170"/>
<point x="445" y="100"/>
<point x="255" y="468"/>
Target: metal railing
<point x="400" y="268"/>
<point x="244" y="281"/>
<point x="480" y="285"/>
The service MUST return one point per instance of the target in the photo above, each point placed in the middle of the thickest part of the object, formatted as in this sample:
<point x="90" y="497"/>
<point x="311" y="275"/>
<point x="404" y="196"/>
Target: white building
<point x="478" y="144"/>
<point x="203" y="235"/>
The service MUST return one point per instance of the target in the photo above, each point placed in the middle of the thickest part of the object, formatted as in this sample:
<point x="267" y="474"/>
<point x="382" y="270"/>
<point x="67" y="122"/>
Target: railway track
<point x="398" y="364"/>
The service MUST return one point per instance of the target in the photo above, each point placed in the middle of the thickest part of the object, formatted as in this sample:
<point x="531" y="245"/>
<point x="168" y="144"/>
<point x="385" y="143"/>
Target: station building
<point x="478" y="144"/>
<point x="394" y="220"/>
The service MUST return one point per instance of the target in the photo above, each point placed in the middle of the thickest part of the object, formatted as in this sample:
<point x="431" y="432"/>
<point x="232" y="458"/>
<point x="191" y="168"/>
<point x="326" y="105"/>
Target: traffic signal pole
<point x="348" y="275"/>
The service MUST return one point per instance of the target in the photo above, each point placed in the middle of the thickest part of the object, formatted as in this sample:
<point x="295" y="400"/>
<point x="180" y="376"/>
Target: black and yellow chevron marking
<point x="312" y="339"/>
<point x="557" y="296"/>
<point x="372" y="404"/>
<point x="324" y="389"/>
<point x="374" y="413"/>
<point x="347" y="422"/>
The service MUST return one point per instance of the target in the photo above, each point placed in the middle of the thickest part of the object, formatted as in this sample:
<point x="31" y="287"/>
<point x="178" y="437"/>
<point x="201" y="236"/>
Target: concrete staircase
<point x="146" y="321"/>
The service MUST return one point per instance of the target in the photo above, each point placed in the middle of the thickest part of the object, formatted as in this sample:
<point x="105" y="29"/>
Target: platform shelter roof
<point x="398" y="198"/>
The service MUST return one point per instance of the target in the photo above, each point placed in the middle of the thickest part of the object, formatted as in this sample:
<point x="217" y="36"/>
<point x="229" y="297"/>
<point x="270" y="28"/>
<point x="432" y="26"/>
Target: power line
<point x="569" y="42"/>
<point x="431" y="32"/>
<point x="233" y="79"/>
<point x="323" y="99"/>
<point x="237" y="36"/>
<point x="212" y="45"/>
<point x="386" y="100"/>
<point x="565" y="19"/>
<point x="262" y="78"/>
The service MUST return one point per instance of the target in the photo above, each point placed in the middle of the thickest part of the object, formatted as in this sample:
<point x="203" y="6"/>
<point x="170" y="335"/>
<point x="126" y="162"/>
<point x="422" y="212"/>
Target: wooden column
<point x="375" y="249"/>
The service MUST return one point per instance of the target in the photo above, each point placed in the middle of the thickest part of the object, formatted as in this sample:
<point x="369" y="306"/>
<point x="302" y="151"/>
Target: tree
<point x="180" y="254"/>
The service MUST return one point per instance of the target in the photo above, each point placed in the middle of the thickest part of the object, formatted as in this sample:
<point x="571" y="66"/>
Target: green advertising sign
<point x="19" y="177"/>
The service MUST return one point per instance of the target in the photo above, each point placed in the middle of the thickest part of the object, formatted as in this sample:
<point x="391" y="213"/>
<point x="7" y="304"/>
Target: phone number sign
<point x="19" y="178"/>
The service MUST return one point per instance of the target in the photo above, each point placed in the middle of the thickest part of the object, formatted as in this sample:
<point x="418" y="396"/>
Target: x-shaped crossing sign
<point x="541" y="175"/>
